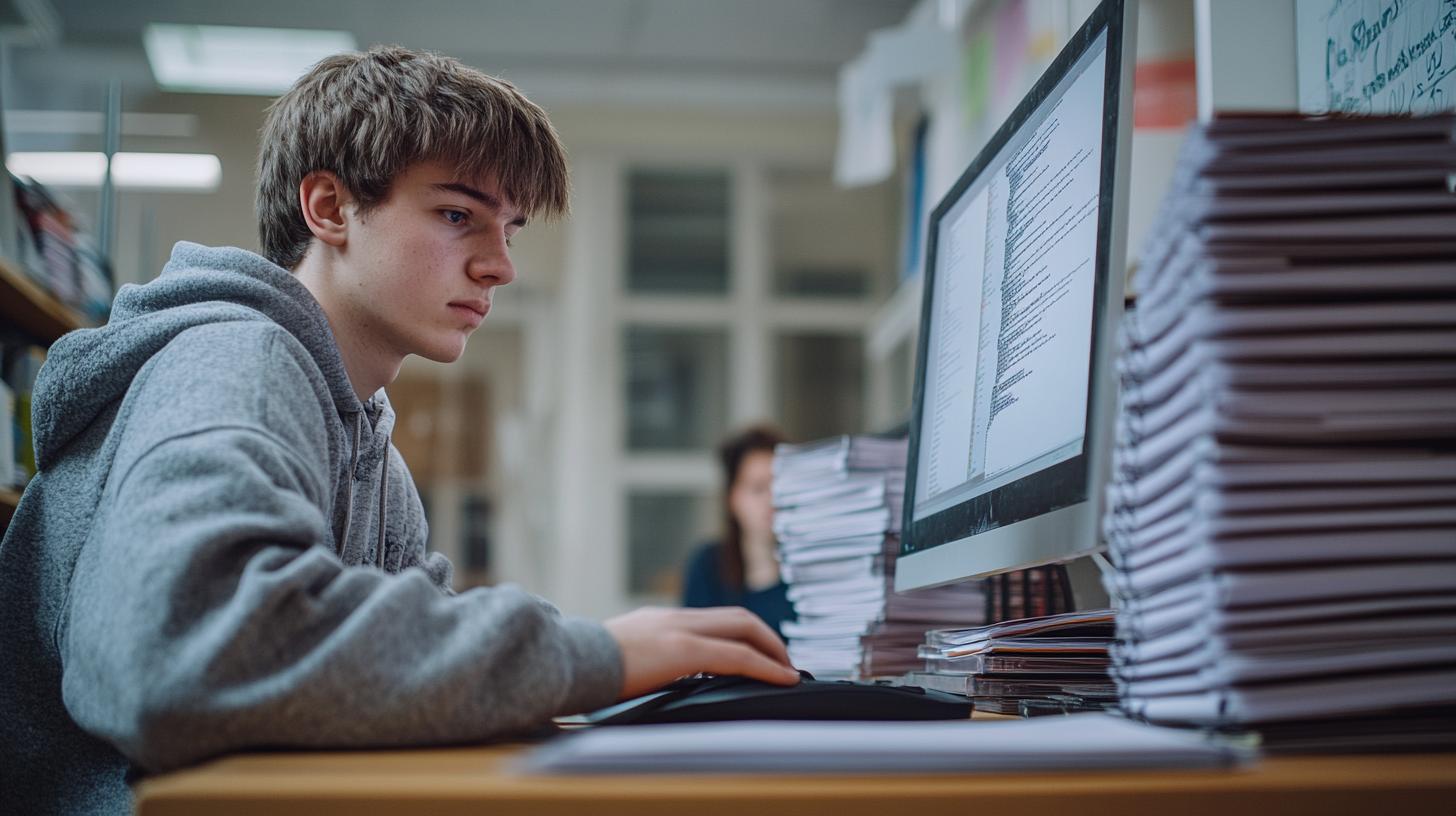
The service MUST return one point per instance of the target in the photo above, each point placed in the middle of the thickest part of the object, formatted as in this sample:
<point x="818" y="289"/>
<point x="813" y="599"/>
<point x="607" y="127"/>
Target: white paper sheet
<point x="1082" y="741"/>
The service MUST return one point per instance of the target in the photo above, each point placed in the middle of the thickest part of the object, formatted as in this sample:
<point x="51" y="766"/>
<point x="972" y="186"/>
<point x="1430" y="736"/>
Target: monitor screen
<point x="1011" y="320"/>
<point x="1017" y="272"/>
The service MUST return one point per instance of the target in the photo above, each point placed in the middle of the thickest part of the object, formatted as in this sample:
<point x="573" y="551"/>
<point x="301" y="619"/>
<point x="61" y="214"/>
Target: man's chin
<point x="443" y="353"/>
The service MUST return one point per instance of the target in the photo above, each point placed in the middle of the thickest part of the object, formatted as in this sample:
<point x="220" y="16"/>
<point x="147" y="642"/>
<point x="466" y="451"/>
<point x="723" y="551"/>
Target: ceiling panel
<point x="727" y="54"/>
<point x="723" y="33"/>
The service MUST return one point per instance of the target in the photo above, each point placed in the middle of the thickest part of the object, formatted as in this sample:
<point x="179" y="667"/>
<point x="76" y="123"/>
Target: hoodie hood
<point x="88" y="370"/>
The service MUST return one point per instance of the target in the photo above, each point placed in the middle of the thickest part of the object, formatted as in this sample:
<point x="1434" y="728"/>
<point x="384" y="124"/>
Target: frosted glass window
<point x="827" y="241"/>
<point x="677" y="232"/>
<point x="677" y="389"/>
<point x="663" y="531"/>
<point x="820" y="384"/>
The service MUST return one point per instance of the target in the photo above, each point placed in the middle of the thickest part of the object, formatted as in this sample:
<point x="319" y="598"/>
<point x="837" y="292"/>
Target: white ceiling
<point x="738" y="52"/>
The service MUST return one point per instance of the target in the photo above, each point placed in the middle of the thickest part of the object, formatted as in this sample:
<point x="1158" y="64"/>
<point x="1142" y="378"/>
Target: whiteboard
<point x="1376" y="56"/>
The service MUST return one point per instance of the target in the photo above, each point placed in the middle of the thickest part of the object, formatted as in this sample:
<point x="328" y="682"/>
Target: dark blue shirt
<point x="703" y="586"/>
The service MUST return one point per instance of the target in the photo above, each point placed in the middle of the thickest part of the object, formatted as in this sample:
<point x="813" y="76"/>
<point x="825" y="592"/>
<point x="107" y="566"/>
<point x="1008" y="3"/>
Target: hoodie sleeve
<point x="207" y="614"/>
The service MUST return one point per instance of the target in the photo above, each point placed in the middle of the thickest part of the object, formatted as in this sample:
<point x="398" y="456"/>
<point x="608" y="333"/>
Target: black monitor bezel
<point x="1065" y="483"/>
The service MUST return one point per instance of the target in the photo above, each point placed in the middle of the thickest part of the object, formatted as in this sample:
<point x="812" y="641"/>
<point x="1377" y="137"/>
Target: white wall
<point x="1246" y="56"/>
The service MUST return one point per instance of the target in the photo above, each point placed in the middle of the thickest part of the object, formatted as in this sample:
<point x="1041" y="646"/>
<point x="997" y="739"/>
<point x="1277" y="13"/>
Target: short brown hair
<point x="367" y="117"/>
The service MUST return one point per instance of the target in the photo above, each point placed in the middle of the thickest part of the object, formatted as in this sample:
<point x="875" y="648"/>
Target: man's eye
<point x="455" y="216"/>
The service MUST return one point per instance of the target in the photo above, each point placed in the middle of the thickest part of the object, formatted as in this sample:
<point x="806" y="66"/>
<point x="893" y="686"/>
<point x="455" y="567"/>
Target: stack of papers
<point x="1282" y="512"/>
<point x="1077" y="742"/>
<point x="1060" y="659"/>
<point x="838" y="507"/>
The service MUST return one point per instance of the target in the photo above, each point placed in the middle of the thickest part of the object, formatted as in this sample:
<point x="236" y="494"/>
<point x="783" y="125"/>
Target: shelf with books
<point x="31" y="319"/>
<point x="9" y="499"/>
<point x="28" y="306"/>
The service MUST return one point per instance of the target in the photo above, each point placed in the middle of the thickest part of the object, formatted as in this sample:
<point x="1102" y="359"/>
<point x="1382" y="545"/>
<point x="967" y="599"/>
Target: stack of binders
<point x="838" y="506"/>
<point x="1282" y="509"/>
<point x="1053" y="663"/>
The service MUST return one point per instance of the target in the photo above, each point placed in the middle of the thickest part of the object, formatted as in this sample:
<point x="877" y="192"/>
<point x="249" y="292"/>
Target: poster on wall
<point x="1376" y="56"/>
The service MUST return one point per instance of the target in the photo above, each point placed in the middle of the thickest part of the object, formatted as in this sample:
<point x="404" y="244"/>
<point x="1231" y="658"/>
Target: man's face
<point x="422" y="266"/>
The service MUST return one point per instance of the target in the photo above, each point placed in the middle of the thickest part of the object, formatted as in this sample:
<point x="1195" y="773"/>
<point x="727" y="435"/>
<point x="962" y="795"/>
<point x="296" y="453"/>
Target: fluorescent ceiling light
<point x="166" y="171"/>
<point x="196" y="172"/>
<point x="60" y="169"/>
<point x="237" y="59"/>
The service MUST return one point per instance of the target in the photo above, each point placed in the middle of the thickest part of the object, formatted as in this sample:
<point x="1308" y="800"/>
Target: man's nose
<point x="493" y="264"/>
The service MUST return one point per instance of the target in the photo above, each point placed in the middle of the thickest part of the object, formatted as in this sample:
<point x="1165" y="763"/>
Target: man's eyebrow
<point x="482" y="196"/>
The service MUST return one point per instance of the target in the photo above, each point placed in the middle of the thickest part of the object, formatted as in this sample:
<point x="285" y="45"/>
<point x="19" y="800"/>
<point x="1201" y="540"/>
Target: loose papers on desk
<point x="838" y="505"/>
<point x="1282" y="510"/>
<point x="1062" y="657"/>
<point x="1090" y="626"/>
<point x="1077" y="742"/>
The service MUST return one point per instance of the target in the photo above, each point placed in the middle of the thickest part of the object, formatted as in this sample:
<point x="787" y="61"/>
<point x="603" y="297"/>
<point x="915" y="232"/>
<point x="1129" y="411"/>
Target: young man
<point x="222" y="550"/>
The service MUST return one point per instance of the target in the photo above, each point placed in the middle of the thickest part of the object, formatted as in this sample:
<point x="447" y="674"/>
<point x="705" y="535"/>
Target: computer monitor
<point x="1011" y="426"/>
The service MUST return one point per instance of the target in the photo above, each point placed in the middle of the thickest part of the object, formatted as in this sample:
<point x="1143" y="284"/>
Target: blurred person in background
<point x="742" y="569"/>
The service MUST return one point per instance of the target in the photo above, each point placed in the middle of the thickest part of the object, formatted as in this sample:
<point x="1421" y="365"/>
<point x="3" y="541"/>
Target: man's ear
<point x="322" y="198"/>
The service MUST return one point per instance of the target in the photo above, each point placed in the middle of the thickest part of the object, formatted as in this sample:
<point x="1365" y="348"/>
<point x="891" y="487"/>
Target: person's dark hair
<point x="731" y="453"/>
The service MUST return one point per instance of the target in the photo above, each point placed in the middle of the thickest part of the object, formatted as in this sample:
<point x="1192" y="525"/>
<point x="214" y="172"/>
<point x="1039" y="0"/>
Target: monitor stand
<point x="1085" y="575"/>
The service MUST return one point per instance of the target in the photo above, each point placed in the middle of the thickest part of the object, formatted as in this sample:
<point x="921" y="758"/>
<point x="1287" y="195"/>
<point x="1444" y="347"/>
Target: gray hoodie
<point x="223" y="551"/>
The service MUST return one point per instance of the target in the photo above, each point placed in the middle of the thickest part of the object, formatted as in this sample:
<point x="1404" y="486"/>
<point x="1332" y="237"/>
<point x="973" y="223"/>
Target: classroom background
<point x="751" y="182"/>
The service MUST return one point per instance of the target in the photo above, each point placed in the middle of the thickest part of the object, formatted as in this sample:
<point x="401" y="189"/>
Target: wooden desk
<point x="479" y="781"/>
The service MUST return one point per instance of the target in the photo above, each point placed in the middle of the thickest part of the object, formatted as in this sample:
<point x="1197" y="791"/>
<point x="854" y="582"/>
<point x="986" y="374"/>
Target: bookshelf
<point x="32" y="309"/>
<point x="26" y="305"/>
<point x="8" y="501"/>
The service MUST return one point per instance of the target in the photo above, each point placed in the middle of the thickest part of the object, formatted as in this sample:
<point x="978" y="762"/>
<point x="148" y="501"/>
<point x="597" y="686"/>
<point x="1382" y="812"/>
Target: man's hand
<point x="661" y="645"/>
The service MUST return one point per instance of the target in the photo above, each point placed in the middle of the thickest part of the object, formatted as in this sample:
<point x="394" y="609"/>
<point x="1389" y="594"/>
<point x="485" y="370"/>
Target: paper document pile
<point x="1053" y="663"/>
<point x="838" y="506"/>
<point x="1282" y="511"/>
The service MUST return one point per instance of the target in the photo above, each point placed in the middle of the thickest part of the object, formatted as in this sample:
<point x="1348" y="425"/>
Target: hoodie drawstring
<point x="353" y="463"/>
<point x="383" y="489"/>
<point x="383" y="505"/>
